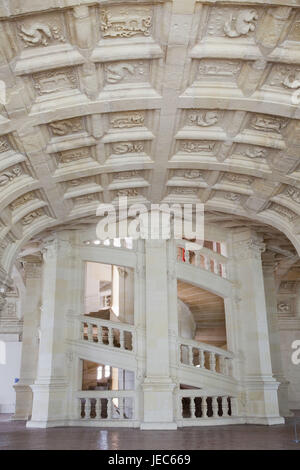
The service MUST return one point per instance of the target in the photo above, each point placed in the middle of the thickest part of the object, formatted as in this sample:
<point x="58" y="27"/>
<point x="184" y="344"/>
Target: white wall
<point x="8" y="372"/>
<point x="95" y="272"/>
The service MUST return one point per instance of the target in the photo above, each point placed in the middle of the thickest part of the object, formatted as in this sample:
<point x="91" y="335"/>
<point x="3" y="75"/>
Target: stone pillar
<point x="269" y="266"/>
<point x="30" y="341"/>
<point x="158" y="386"/>
<point x="259" y="384"/>
<point x="50" y="388"/>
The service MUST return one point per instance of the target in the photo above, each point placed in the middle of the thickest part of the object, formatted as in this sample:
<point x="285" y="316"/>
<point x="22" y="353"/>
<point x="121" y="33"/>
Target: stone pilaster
<point x="269" y="266"/>
<point x="50" y="388"/>
<point x="259" y="384"/>
<point x="158" y="386"/>
<point x="30" y="341"/>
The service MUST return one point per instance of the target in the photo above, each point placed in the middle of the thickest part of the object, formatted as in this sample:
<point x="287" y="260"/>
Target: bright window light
<point x="99" y="373"/>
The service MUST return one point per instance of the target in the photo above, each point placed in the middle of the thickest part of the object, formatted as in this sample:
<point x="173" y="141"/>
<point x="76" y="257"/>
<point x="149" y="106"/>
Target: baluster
<point x="204" y="407"/>
<point x="100" y="334"/>
<point x="80" y="407"/>
<point x="215" y="407"/>
<point x="121" y="407"/>
<point x="207" y="263"/>
<point x="193" y="408"/>
<point x="98" y="408"/>
<point x="212" y="362"/>
<point x="110" y="337"/>
<point x="233" y="401"/>
<point x="187" y="256"/>
<point x="81" y="330"/>
<point x="122" y="339"/>
<point x="222" y="364"/>
<point x="201" y="358"/>
<point x="216" y="267"/>
<point x="87" y="408"/>
<point x="197" y="259"/>
<point x="90" y="332"/>
<point x="229" y="366"/>
<point x="224" y="406"/>
<point x="109" y="408"/>
<point x="191" y="356"/>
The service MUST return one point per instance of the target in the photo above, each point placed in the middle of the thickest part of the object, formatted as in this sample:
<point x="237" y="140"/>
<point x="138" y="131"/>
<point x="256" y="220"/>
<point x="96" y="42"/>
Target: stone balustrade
<point x="196" y="405"/>
<point x="107" y="333"/>
<point x="204" y="356"/>
<point x="108" y="405"/>
<point x="203" y="258"/>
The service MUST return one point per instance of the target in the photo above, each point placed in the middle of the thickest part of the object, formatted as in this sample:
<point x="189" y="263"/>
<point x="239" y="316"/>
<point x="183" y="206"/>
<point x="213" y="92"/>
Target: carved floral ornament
<point x="241" y="24"/>
<point x="22" y="200"/>
<point x="4" y="145"/>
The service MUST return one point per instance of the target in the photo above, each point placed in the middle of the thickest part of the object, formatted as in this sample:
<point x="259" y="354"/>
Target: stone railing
<point x="196" y="405"/>
<point x="203" y="258"/>
<point x="203" y="356"/>
<point x="107" y="333"/>
<point x="108" y="405"/>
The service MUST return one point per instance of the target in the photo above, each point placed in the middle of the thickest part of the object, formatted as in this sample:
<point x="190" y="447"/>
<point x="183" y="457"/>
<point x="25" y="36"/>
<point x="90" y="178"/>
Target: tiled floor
<point x="14" y="435"/>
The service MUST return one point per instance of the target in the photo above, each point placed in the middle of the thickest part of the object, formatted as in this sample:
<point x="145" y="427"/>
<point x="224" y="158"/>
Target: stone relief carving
<point x="126" y="175"/>
<point x="22" y="200"/>
<point x="284" y="211"/>
<point x="55" y="81"/>
<point x="127" y="147"/>
<point x="79" y="182"/>
<point x="192" y="174"/>
<point x="28" y="219"/>
<point x="256" y="152"/>
<point x="197" y="146"/>
<point x="126" y="23"/>
<point x="203" y="119"/>
<point x="10" y="175"/>
<point x="4" y="145"/>
<point x="232" y="197"/>
<point x="219" y="68"/>
<point x="129" y="192"/>
<point x="234" y="178"/>
<point x="184" y="191"/>
<point x="241" y="24"/>
<point x="283" y="307"/>
<point x="268" y="123"/>
<point x="293" y="193"/>
<point x="40" y="34"/>
<point x="69" y="156"/>
<point x="285" y="75"/>
<point x="86" y="199"/>
<point x="128" y="120"/>
<point x="126" y="71"/>
<point x="67" y="126"/>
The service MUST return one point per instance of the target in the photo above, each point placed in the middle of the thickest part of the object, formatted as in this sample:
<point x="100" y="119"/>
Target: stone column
<point x="269" y="266"/>
<point x="30" y="341"/>
<point x="259" y="384"/>
<point x="50" y="388"/>
<point x="158" y="386"/>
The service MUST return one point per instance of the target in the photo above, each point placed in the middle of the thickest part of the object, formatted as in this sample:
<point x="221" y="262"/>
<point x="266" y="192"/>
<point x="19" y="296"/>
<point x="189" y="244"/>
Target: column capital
<point x="32" y="266"/>
<point x="250" y="248"/>
<point x="53" y="245"/>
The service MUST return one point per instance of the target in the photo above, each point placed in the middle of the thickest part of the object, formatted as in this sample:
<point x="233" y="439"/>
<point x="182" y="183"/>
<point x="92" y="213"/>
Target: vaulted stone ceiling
<point x="174" y="101"/>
